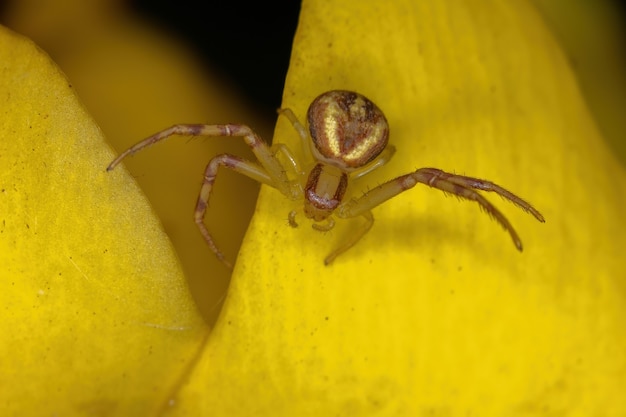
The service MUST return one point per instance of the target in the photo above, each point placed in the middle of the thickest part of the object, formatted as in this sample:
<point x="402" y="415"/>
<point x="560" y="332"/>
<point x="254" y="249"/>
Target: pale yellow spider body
<point x="348" y="137"/>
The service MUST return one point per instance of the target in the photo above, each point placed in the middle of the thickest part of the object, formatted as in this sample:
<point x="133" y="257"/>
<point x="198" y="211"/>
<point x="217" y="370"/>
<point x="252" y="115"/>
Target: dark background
<point x="248" y="43"/>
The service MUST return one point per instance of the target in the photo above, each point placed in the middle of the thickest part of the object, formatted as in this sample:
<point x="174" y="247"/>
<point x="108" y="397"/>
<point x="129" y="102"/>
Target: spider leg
<point x="362" y="231"/>
<point x="291" y="219"/>
<point x="237" y="164"/>
<point x="448" y="183"/>
<point x="260" y="149"/>
<point x="324" y="227"/>
<point x="291" y="158"/>
<point x="270" y="171"/>
<point x="384" y="157"/>
<point x="484" y="185"/>
<point x="304" y="137"/>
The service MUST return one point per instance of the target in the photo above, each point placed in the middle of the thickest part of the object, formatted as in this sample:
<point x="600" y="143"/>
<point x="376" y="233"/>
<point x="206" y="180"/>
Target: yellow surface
<point x="593" y="36"/>
<point x="96" y="318"/>
<point x="435" y="312"/>
<point x="135" y="80"/>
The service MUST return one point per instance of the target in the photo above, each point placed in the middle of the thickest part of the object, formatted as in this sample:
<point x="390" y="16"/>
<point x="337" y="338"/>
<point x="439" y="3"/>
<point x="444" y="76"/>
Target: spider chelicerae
<point x="348" y="138"/>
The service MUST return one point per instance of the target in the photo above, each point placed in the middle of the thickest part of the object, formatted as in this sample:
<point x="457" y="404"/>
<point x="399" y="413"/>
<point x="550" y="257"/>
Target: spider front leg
<point x="240" y="165"/>
<point x="260" y="149"/>
<point x="461" y="186"/>
<point x="270" y="171"/>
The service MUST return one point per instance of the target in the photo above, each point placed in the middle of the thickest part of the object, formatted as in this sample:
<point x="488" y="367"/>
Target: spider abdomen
<point x="347" y="129"/>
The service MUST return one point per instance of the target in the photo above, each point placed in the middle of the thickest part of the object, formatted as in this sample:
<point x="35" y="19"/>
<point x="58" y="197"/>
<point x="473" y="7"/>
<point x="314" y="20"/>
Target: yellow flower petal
<point x="135" y="80"/>
<point x="96" y="316"/>
<point x="435" y="312"/>
<point x="592" y="35"/>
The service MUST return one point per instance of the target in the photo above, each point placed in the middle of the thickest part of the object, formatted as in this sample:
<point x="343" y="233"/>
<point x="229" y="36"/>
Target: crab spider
<point x="348" y="138"/>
